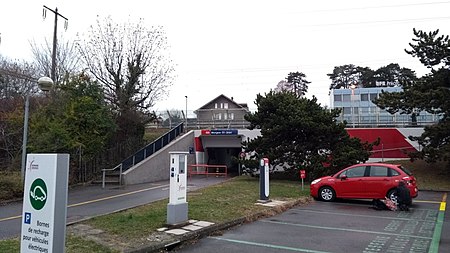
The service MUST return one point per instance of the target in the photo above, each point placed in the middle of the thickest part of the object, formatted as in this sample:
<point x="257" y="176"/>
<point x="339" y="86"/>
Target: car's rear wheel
<point x="327" y="193"/>
<point x="392" y="195"/>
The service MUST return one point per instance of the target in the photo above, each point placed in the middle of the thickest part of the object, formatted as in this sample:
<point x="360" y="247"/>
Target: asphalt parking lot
<point x="342" y="226"/>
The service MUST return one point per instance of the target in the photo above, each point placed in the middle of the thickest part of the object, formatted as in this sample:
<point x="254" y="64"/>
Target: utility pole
<point x="57" y="14"/>
<point x="186" y="113"/>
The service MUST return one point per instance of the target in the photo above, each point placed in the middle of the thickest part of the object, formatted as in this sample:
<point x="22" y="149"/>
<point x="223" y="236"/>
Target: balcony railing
<point x="223" y="124"/>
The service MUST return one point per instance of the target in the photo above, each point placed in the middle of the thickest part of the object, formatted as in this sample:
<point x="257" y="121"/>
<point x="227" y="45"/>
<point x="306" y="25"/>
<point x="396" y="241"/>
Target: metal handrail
<point x="153" y="147"/>
<point x="145" y="152"/>
<point x="104" y="174"/>
<point x="236" y="124"/>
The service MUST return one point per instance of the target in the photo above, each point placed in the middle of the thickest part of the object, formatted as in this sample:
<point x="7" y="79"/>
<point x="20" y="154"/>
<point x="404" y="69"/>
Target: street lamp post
<point x="45" y="84"/>
<point x="186" y="113"/>
<point x="25" y="136"/>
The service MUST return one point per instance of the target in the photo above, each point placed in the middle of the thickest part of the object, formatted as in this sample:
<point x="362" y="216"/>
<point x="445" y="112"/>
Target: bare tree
<point x="17" y="78"/>
<point x="172" y="117"/>
<point x="130" y="61"/>
<point x="282" y="86"/>
<point x="67" y="58"/>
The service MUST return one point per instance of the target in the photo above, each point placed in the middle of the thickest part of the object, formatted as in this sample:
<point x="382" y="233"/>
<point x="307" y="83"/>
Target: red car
<point x="364" y="181"/>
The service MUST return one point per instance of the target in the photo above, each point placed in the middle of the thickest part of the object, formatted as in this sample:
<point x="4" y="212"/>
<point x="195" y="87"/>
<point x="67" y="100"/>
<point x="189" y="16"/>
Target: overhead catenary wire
<point x="372" y="7"/>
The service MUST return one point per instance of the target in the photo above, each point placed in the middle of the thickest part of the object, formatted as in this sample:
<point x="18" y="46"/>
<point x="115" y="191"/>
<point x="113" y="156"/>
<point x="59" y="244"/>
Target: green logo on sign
<point x="38" y="194"/>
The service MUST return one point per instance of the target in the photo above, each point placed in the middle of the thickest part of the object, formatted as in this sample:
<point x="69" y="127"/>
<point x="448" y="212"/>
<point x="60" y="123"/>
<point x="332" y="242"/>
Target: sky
<point x="241" y="48"/>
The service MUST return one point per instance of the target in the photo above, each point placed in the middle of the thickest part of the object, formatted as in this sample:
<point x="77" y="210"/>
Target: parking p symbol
<point x="27" y="218"/>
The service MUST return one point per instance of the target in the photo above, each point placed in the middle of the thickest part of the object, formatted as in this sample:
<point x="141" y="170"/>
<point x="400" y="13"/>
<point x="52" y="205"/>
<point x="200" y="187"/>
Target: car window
<point x="394" y="172"/>
<point x="355" y="172"/>
<point x="378" y="171"/>
<point x="405" y="170"/>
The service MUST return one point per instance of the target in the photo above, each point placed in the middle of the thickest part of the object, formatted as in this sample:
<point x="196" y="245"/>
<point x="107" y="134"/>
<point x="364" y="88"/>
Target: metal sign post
<point x="45" y="203"/>
<point x="177" y="209"/>
<point x="264" y="180"/>
<point x="241" y="158"/>
<point x="302" y="176"/>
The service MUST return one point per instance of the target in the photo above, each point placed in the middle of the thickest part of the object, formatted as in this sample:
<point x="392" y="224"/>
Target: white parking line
<point x="358" y="215"/>
<point x="345" y="229"/>
<point x="266" y="245"/>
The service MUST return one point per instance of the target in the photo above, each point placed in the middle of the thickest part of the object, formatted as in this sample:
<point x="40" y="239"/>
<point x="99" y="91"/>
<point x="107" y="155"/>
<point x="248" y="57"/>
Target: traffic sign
<point x="302" y="174"/>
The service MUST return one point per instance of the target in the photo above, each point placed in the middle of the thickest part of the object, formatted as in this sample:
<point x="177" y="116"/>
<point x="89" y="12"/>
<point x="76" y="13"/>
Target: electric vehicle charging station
<point x="45" y="203"/>
<point x="177" y="209"/>
<point x="264" y="180"/>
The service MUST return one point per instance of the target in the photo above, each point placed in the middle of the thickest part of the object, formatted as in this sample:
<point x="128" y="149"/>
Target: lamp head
<point x="45" y="83"/>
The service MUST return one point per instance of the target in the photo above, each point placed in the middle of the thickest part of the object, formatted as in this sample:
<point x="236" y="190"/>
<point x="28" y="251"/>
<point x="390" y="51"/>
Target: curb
<point x="193" y="235"/>
<point x="187" y="237"/>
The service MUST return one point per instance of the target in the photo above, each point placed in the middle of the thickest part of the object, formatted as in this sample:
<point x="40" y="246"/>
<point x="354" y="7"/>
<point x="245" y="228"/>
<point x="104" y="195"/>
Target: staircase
<point x="113" y="176"/>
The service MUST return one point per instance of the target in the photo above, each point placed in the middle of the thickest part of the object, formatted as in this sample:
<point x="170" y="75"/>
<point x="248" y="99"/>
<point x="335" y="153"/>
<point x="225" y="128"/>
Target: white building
<point x="358" y="109"/>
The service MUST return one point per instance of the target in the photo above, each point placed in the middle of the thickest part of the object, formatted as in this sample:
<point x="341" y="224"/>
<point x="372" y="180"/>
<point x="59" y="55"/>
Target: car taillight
<point x="409" y="180"/>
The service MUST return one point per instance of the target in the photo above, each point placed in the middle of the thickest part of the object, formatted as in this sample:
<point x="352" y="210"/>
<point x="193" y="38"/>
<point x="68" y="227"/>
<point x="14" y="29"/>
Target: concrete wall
<point x="157" y="166"/>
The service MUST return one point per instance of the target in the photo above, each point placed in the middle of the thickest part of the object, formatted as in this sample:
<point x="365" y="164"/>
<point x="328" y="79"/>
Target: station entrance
<point x="223" y="156"/>
<point x="219" y="148"/>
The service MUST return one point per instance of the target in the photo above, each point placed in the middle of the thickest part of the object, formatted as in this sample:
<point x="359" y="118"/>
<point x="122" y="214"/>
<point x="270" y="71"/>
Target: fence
<point x="207" y="169"/>
<point x="84" y="169"/>
<point x="224" y="124"/>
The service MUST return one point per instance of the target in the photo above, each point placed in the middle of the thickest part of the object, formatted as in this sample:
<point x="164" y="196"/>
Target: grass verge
<point x="219" y="203"/>
<point x="11" y="186"/>
<point x="154" y="133"/>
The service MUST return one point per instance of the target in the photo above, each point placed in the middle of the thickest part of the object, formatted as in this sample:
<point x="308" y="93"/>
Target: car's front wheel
<point x="327" y="193"/>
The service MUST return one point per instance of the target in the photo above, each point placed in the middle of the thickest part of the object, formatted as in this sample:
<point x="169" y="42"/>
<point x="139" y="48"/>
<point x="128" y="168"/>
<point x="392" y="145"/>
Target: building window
<point x="231" y="116"/>
<point x="386" y="119"/>
<point x="364" y="110"/>
<point x="338" y="98"/>
<point x="346" y="97"/>
<point x="347" y="110"/>
<point x="373" y="96"/>
<point x="403" y="118"/>
<point x="356" y="110"/>
<point x="365" y="119"/>
<point x="217" y="116"/>
<point x="364" y="97"/>
<point x="384" y="112"/>
<point x="225" y="105"/>
<point x="215" y="106"/>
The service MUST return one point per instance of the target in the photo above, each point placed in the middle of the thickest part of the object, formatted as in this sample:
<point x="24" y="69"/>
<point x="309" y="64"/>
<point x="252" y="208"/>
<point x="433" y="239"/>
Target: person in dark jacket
<point x="403" y="196"/>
